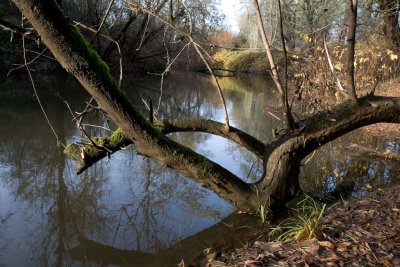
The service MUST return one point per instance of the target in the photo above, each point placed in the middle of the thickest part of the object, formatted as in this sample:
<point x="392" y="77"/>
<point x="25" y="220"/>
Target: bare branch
<point x="198" y="49"/>
<point x="103" y="19"/>
<point x="336" y="78"/>
<point x="27" y="32"/>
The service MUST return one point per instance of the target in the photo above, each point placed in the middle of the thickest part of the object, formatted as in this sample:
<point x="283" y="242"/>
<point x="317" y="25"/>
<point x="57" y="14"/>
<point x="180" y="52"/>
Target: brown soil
<point x="361" y="232"/>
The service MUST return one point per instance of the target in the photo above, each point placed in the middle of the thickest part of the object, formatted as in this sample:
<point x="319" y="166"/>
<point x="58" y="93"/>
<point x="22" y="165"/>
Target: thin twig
<point x="310" y="158"/>
<point x="97" y="126"/>
<point x="288" y="111"/>
<point x="167" y="69"/>
<point x="27" y="63"/>
<point x="273" y="115"/>
<point x="103" y="20"/>
<point x="37" y="96"/>
<point x="79" y="119"/>
<point x="111" y="40"/>
<point x="144" y="34"/>
<point x="195" y="45"/>
<point x="221" y="95"/>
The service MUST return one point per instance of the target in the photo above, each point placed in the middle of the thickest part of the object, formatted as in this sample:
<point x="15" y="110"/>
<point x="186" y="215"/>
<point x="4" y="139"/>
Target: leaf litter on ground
<point x="362" y="231"/>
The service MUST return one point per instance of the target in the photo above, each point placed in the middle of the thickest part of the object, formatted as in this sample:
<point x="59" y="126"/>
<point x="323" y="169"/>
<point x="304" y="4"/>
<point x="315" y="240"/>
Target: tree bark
<point x="119" y="139"/>
<point x="288" y="112"/>
<point x="351" y="45"/>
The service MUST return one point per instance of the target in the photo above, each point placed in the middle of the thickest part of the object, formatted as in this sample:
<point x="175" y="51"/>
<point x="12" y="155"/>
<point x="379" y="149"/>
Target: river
<point x="129" y="210"/>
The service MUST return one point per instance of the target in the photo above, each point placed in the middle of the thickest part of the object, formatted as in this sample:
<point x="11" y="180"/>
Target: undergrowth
<point x="375" y="61"/>
<point x="303" y="223"/>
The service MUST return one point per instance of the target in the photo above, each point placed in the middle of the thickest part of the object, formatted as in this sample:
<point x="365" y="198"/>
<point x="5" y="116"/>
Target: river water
<point x="128" y="210"/>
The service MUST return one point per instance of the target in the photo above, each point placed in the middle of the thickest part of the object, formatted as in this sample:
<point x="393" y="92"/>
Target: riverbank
<point x="363" y="231"/>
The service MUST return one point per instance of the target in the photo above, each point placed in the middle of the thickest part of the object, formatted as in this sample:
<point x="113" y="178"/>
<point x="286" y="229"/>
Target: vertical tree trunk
<point x="391" y="19"/>
<point x="351" y="44"/>
<point x="288" y="112"/>
<point x="170" y="12"/>
<point x="274" y="71"/>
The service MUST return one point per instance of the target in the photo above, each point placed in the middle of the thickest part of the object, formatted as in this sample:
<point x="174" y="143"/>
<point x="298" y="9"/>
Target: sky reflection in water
<point x="50" y="216"/>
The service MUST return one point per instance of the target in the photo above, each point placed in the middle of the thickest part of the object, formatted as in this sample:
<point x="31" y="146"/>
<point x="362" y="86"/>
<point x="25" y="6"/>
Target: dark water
<point x="129" y="210"/>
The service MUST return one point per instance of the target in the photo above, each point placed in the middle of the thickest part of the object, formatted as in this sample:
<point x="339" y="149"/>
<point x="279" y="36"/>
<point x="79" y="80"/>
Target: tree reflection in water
<point x="124" y="209"/>
<point x="341" y="171"/>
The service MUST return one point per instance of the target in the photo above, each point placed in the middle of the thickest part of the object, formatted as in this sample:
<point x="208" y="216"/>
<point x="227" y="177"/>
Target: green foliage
<point x="303" y="224"/>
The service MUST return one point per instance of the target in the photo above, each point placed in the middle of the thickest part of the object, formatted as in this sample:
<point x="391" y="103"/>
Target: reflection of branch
<point x="369" y="152"/>
<point x="106" y="255"/>
<point x="212" y="127"/>
<point x="220" y="235"/>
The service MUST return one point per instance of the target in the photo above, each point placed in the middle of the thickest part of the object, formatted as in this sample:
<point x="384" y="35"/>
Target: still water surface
<point x="129" y="210"/>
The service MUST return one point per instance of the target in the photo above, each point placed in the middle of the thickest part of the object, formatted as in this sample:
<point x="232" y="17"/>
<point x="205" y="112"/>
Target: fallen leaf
<point x="326" y="244"/>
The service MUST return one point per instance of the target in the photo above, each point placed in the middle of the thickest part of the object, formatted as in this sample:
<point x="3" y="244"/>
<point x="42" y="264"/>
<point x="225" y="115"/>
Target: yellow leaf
<point x="338" y="66"/>
<point x="393" y="57"/>
<point x="368" y="186"/>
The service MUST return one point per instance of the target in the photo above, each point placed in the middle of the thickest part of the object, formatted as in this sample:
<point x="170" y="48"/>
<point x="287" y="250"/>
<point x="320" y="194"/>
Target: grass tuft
<point x="303" y="224"/>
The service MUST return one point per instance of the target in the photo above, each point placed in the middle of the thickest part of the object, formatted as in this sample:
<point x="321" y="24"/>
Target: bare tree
<point x="282" y="157"/>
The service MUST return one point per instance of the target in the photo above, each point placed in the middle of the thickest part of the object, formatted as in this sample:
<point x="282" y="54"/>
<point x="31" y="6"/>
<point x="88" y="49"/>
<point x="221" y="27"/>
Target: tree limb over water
<point x="281" y="158"/>
<point x="87" y="155"/>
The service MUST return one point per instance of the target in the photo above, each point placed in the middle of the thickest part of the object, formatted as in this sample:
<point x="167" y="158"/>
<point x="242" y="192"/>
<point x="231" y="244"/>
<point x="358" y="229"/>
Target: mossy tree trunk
<point x="281" y="158"/>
